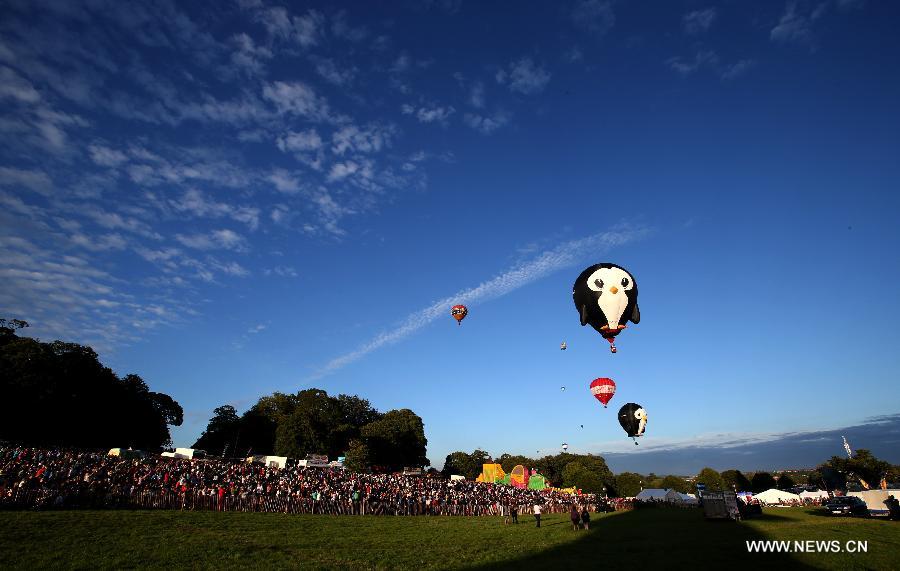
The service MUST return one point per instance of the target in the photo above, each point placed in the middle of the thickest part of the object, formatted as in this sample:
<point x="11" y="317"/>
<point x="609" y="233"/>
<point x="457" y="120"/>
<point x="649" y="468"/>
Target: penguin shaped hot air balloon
<point x="633" y="419"/>
<point x="565" y="447"/>
<point x="459" y="312"/>
<point x="562" y="346"/>
<point x="605" y="296"/>
<point x="603" y="390"/>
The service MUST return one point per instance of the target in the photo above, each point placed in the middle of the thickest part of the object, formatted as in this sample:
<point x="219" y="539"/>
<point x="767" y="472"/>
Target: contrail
<point x="562" y="256"/>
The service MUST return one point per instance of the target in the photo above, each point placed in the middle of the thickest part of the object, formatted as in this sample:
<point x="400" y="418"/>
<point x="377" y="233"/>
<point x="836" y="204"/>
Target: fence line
<point x="197" y="501"/>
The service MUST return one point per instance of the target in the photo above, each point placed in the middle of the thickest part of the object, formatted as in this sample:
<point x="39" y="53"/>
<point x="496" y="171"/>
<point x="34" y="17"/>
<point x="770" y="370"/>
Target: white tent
<point x="659" y="495"/>
<point x="688" y="498"/>
<point x="875" y="499"/>
<point x="814" y="495"/>
<point x="774" y="496"/>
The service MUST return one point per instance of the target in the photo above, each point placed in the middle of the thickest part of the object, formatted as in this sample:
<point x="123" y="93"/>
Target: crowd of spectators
<point x="33" y="478"/>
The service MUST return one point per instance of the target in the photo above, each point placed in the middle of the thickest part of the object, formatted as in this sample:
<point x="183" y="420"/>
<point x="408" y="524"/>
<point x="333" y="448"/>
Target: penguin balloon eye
<point x="598" y="283"/>
<point x="625" y="282"/>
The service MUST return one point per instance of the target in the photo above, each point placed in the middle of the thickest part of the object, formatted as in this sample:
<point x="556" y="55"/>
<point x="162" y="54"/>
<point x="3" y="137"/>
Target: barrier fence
<point x="196" y="501"/>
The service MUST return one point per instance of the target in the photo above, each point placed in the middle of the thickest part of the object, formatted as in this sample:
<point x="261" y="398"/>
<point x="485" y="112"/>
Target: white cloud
<point x="36" y="181"/>
<point x="334" y="75"/>
<point x="686" y="67"/>
<point x="524" y="76"/>
<point x="195" y="203"/>
<point x="217" y="239"/>
<point x="486" y="124"/>
<point x="476" y="95"/>
<point x="594" y="15"/>
<point x="281" y="271"/>
<point x="104" y="156"/>
<point x="284" y="181"/>
<point x="307" y="28"/>
<point x="300" y="141"/>
<point x="737" y="69"/>
<point x="100" y="243"/>
<point x="370" y="139"/>
<point x="698" y="21"/>
<point x="249" y="57"/>
<point x="13" y="86"/>
<point x="548" y="262"/>
<point x="796" y="26"/>
<point x="297" y="98"/>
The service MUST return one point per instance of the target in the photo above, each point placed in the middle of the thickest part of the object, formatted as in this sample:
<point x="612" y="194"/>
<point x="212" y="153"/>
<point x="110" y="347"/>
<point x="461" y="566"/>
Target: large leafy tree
<point x="628" y="484"/>
<point x="710" y="478"/>
<point x="397" y="439"/>
<point x="676" y="483"/>
<point x="863" y="465"/>
<point x="785" y="482"/>
<point x="589" y="473"/>
<point x="762" y="481"/>
<point x="221" y="433"/>
<point x="64" y="395"/>
<point x="463" y="464"/>
<point x="735" y="480"/>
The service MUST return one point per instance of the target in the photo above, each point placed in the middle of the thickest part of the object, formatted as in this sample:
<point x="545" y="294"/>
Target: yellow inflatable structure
<point x="491" y="473"/>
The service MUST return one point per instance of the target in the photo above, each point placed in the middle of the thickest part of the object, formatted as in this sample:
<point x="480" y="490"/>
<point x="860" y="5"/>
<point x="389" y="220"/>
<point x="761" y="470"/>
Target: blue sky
<point x="233" y="199"/>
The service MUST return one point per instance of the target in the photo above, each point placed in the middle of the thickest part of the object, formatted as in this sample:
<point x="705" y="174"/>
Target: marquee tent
<point x="813" y="495"/>
<point x="774" y="496"/>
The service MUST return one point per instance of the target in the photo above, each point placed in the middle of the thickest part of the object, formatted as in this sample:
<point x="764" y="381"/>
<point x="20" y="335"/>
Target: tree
<point x="508" y="462"/>
<point x="762" y="481"/>
<point x="396" y="440"/>
<point x="461" y="464"/>
<point x="785" y="482"/>
<point x="357" y="457"/>
<point x="80" y="401"/>
<point x="676" y="483"/>
<point x="627" y="485"/>
<point x="221" y="432"/>
<point x="863" y="465"/>
<point x="710" y="478"/>
<point x="735" y="480"/>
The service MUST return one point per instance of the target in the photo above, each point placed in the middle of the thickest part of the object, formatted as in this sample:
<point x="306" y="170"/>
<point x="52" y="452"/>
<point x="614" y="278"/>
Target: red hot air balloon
<point x="603" y="389"/>
<point x="459" y="313"/>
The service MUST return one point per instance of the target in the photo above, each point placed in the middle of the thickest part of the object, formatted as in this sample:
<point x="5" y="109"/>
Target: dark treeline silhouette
<point x="312" y="422"/>
<point x="60" y="394"/>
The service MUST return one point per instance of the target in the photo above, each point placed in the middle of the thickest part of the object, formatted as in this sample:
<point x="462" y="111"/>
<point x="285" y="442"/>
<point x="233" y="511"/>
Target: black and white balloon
<point x="633" y="419"/>
<point x="605" y="296"/>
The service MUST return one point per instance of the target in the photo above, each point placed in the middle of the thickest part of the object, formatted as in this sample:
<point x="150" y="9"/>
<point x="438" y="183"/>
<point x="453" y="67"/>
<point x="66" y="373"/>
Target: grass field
<point x="663" y="538"/>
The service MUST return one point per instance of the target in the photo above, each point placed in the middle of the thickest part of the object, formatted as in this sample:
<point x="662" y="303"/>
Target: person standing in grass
<point x="575" y="517"/>
<point x="585" y="518"/>
<point x="514" y="510"/>
<point x="537" y="514"/>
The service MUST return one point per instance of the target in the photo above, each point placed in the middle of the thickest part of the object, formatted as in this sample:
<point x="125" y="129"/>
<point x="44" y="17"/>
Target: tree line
<point x="312" y="422"/>
<point x="591" y="474"/>
<point x="60" y="394"/>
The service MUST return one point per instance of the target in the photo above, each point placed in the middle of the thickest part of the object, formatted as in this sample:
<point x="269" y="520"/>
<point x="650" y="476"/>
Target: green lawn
<point x="662" y="538"/>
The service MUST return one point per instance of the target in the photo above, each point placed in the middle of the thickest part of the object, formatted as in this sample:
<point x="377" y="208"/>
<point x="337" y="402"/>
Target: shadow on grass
<point x="667" y="538"/>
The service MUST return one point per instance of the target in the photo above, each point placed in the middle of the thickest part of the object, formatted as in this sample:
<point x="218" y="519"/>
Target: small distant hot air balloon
<point x="562" y="388"/>
<point x="633" y="419"/>
<point x="603" y="390"/>
<point x="562" y="346"/>
<point x="565" y="447"/>
<point x="459" y="313"/>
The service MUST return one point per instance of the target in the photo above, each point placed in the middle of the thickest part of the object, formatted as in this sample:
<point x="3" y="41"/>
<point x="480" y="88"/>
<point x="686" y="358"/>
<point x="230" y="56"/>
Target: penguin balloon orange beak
<point x="613" y="290"/>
